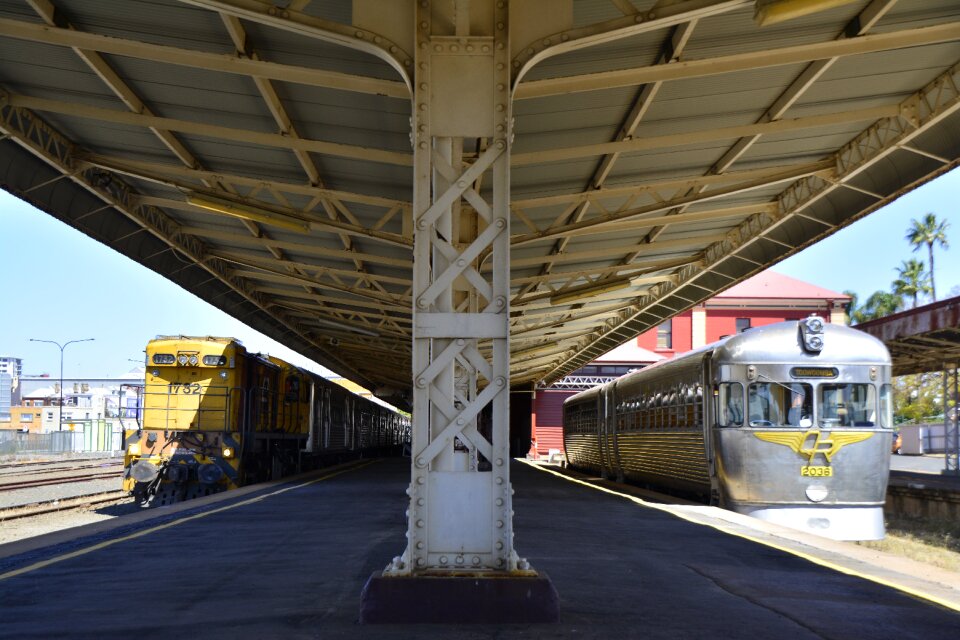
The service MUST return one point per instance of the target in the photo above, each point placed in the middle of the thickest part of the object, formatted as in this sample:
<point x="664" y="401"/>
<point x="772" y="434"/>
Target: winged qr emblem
<point x="826" y="444"/>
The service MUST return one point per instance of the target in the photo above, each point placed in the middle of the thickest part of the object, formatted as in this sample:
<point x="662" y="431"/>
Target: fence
<point x="93" y="437"/>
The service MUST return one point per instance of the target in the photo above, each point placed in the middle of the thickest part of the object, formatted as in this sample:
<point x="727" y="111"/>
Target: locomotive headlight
<point x="817" y="492"/>
<point x="133" y="449"/>
<point x="223" y="375"/>
<point x="194" y="360"/>
<point x="182" y="359"/>
<point x="155" y="373"/>
<point x="227" y="452"/>
<point x="873" y="373"/>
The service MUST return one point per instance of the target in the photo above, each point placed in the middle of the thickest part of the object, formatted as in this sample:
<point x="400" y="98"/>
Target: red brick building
<point x="766" y="298"/>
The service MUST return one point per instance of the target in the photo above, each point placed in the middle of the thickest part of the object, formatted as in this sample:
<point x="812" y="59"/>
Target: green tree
<point x="929" y="232"/>
<point x="878" y="305"/>
<point x="912" y="280"/>
<point x="917" y="397"/>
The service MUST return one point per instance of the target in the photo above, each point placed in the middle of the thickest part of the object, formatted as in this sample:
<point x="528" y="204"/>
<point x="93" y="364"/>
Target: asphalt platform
<point x="289" y="559"/>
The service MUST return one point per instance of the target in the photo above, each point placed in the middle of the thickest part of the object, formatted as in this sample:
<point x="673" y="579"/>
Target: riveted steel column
<point x="460" y="514"/>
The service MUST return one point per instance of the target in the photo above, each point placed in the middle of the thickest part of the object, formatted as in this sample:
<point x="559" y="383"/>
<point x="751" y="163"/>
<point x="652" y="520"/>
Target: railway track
<point x="43" y="482"/>
<point x="4" y="473"/>
<point x="62" y="504"/>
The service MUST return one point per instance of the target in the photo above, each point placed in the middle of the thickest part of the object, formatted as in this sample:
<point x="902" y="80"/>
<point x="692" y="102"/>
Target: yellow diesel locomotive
<point x="216" y="417"/>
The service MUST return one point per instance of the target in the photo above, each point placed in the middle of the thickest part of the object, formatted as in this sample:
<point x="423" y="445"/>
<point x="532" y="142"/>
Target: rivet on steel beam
<point x="438" y="48"/>
<point x="469" y="48"/>
<point x="420" y="545"/>
<point x="500" y="66"/>
<point x="460" y="422"/>
<point x="420" y="502"/>
<point x="499" y="502"/>
<point x="359" y="34"/>
<point x="272" y="11"/>
<point x="499" y="524"/>
<point x="454" y="48"/>
<point x="500" y="26"/>
<point x="501" y="223"/>
<point x="424" y="25"/>
<point x="423" y="86"/>
<point x="421" y="462"/>
<point x="420" y="524"/>
<point x="421" y="480"/>
<point x="422" y="224"/>
<point x="423" y="66"/>
<point x="501" y="301"/>
<point x="462" y="184"/>
<point x="393" y="49"/>
<point x="421" y="382"/>
<point x="516" y="63"/>
<point x="485" y="48"/>
<point x="459" y="559"/>
<point x="377" y="39"/>
<point x="499" y="462"/>
<point x="651" y="15"/>
<point x="501" y="381"/>
<point x="501" y="144"/>
<point x="476" y="560"/>
<point x="546" y="41"/>
<point x="499" y="545"/>
<point x="420" y="562"/>
<point x="499" y="480"/>
<point x="422" y="106"/>
<point x="500" y="45"/>
<point x="461" y="342"/>
<point x="501" y="87"/>
<point x="461" y="262"/>
<point x="564" y="37"/>
<point x="443" y="559"/>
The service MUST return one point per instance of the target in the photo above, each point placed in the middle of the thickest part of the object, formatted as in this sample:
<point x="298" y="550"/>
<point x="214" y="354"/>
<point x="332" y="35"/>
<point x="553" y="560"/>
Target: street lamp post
<point x="61" y="347"/>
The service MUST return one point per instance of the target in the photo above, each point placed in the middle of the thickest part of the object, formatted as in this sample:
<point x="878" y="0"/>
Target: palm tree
<point x="853" y="312"/>
<point x="929" y="232"/>
<point x="912" y="281"/>
<point x="879" y="304"/>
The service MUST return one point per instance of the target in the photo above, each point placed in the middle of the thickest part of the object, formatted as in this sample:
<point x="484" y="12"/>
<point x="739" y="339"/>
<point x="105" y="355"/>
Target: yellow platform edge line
<point x="719" y="527"/>
<point x="173" y="523"/>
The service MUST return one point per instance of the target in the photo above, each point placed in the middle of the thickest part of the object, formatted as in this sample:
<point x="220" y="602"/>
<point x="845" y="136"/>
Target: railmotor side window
<point x="848" y="405"/>
<point x="886" y="406"/>
<point x="729" y="408"/>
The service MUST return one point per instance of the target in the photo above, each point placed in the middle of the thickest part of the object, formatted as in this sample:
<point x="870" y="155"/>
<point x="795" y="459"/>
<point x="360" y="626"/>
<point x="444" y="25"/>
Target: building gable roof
<point x="772" y="285"/>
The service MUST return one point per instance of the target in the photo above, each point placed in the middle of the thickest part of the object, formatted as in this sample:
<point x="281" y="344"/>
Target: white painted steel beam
<point x="739" y="62"/>
<point x="460" y="516"/>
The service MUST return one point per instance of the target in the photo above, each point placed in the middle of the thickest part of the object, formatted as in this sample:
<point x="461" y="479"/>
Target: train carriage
<point x="791" y="423"/>
<point x="216" y="417"/>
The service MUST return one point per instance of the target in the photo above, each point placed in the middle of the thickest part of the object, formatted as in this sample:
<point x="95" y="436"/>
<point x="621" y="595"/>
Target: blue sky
<point x="61" y="285"/>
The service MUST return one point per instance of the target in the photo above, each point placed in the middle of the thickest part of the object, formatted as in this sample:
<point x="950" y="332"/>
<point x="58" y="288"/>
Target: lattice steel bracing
<point x="460" y="515"/>
<point x="951" y="419"/>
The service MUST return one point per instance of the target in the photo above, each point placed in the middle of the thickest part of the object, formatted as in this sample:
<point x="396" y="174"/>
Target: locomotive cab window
<point x="848" y="405"/>
<point x="730" y="404"/>
<point x="780" y="404"/>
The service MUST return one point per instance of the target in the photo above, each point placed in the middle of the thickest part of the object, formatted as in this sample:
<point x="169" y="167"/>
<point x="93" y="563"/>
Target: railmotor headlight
<point x="227" y="452"/>
<point x="182" y="359"/>
<point x="194" y="361"/>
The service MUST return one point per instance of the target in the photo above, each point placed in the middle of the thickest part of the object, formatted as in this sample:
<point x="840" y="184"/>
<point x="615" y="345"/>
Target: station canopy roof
<point x="920" y="340"/>
<point x="259" y="154"/>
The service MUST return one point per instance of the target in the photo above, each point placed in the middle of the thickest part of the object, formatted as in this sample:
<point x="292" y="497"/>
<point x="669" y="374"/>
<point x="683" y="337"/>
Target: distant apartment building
<point x="11" y="366"/>
<point x="11" y="369"/>
<point x="764" y="299"/>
